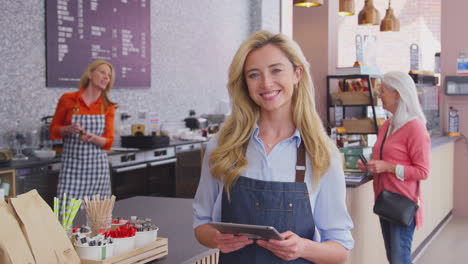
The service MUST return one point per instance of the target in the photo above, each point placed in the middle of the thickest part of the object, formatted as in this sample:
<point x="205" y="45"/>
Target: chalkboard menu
<point x="81" y="31"/>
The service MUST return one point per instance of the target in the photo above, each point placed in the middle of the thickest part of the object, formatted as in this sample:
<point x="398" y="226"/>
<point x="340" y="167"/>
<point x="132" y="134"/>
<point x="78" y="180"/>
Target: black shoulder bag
<point x="394" y="207"/>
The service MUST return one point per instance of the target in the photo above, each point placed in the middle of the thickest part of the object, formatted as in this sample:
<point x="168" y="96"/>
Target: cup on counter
<point x="143" y="238"/>
<point x="122" y="245"/>
<point x="6" y="188"/>
<point x="103" y="223"/>
<point x="95" y="252"/>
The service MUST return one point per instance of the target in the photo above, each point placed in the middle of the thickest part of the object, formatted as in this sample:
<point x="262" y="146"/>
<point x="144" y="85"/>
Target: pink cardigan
<point x="409" y="146"/>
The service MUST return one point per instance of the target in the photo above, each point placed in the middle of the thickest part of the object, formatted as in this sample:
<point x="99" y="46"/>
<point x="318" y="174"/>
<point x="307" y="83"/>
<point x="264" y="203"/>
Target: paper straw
<point x="69" y="209"/>
<point x="63" y="208"/>
<point x="74" y="211"/>
<point x="56" y="206"/>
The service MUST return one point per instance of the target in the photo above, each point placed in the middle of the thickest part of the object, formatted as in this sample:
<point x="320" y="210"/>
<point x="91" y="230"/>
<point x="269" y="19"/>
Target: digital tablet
<point x="250" y="231"/>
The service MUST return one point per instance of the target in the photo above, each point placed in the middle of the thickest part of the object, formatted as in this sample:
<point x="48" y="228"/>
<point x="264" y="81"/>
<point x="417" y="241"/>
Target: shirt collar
<point x="296" y="136"/>
<point x="80" y="96"/>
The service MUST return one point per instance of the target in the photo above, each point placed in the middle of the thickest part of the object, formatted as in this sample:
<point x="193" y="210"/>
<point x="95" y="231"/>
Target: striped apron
<point x="85" y="166"/>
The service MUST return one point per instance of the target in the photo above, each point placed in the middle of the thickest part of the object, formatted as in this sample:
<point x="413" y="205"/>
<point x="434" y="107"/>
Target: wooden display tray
<point x="352" y="98"/>
<point x="152" y="251"/>
<point x="363" y="125"/>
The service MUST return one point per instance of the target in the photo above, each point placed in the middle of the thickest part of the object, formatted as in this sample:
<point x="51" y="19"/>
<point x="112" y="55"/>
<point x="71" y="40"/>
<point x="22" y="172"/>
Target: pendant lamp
<point x="369" y="15"/>
<point x="390" y="22"/>
<point x="346" y="8"/>
<point x="308" y="3"/>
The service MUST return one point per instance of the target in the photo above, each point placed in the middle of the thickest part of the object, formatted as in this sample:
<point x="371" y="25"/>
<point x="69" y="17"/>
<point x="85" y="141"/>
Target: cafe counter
<point x="437" y="193"/>
<point x="174" y="217"/>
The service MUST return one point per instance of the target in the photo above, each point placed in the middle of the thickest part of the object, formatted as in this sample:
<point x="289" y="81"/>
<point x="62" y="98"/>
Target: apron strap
<point x="300" y="163"/>
<point x="76" y="108"/>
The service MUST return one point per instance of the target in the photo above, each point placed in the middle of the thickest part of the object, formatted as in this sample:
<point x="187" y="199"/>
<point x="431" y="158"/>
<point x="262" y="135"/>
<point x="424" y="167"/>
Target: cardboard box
<point x="363" y="125"/>
<point x="352" y="98"/>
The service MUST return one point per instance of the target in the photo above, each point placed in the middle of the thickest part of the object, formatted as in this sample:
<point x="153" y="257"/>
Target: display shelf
<point x="424" y="79"/>
<point x="357" y="100"/>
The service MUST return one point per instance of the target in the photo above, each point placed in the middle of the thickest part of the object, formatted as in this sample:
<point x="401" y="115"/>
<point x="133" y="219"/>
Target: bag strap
<point x="381" y="149"/>
<point x="381" y="158"/>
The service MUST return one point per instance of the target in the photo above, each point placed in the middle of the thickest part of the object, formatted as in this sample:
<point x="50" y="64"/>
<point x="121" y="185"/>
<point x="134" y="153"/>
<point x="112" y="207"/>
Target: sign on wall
<point x="81" y="31"/>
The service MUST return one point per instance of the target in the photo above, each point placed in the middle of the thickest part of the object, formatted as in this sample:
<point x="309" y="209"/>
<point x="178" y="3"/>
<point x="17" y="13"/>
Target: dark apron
<point x="283" y="205"/>
<point x="85" y="166"/>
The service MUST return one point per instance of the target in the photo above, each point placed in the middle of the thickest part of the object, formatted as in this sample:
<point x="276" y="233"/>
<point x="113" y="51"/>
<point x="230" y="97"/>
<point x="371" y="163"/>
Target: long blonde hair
<point x="228" y="159"/>
<point x="84" y="81"/>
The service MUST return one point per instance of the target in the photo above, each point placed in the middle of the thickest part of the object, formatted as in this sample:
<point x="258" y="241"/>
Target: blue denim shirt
<point x="328" y="199"/>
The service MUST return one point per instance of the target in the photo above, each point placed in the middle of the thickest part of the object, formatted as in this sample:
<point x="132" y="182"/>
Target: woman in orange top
<point x="85" y="121"/>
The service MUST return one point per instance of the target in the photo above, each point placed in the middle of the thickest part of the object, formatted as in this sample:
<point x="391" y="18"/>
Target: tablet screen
<point x="250" y="231"/>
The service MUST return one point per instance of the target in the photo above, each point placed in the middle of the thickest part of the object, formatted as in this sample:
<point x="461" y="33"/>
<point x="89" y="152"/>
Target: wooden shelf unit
<point x="365" y="96"/>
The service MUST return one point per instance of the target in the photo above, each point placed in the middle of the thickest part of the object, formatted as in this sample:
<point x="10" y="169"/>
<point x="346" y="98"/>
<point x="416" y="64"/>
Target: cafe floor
<point x="449" y="246"/>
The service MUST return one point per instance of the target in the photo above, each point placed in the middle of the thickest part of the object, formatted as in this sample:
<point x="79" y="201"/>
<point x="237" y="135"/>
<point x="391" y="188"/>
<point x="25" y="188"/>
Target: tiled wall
<point x="192" y="44"/>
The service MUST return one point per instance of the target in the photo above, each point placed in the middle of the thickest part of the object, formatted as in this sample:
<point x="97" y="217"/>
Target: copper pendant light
<point x="390" y="22"/>
<point x="308" y="3"/>
<point x="346" y="8"/>
<point x="369" y="15"/>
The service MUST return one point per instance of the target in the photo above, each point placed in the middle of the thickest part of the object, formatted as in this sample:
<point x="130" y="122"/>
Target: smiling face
<point x="389" y="98"/>
<point x="270" y="78"/>
<point x="100" y="77"/>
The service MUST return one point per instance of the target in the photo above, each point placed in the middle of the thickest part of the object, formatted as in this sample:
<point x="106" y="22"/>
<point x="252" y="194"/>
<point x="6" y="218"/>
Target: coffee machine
<point x="45" y="142"/>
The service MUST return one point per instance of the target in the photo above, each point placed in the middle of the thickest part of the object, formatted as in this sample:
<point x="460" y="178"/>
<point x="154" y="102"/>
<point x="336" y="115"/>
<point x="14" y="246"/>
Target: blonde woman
<point x="273" y="164"/>
<point x="85" y="121"/>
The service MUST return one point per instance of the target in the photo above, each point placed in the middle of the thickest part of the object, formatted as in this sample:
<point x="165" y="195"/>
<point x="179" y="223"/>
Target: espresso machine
<point x="45" y="142"/>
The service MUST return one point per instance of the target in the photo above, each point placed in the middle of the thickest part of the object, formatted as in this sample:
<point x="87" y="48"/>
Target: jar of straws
<point x="99" y="213"/>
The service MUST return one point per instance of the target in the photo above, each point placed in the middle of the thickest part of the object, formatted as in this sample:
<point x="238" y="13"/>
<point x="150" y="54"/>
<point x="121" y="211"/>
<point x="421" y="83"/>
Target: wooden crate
<point x="364" y="125"/>
<point x="352" y="98"/>
<point x="155" y="250"/>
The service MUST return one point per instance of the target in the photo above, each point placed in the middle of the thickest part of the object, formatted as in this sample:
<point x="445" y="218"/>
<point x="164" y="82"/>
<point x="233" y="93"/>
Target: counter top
<point x="439" y="141"/>
<point x="173" y="216"/>
<point x="436" y="142"/>
<point x="35" y="162"/>
<point x="365" y="180"/>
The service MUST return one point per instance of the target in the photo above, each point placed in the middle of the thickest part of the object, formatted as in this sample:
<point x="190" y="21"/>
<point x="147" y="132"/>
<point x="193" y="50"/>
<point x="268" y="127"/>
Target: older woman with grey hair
<point x="401" y="158"/>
